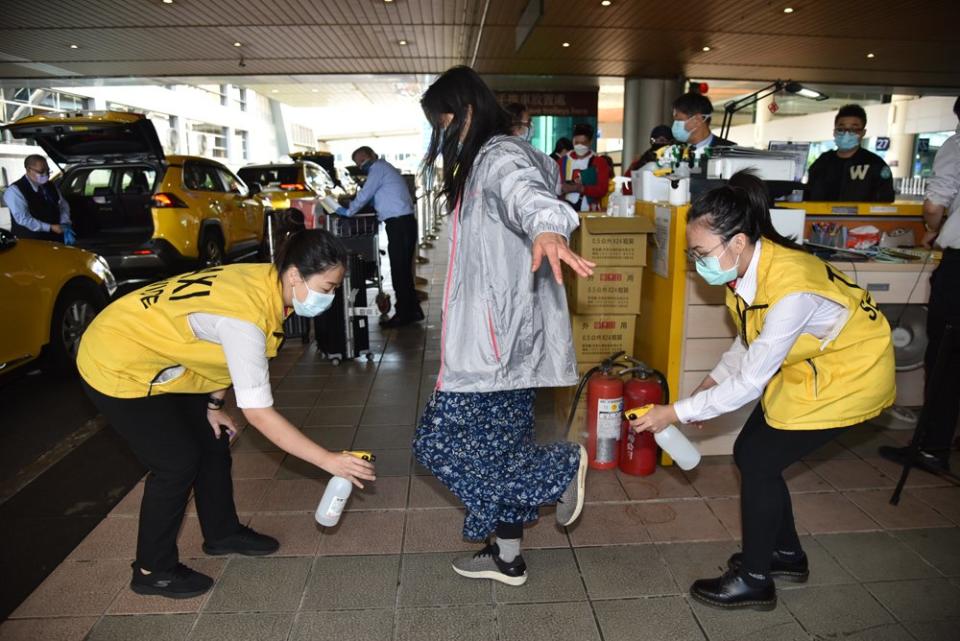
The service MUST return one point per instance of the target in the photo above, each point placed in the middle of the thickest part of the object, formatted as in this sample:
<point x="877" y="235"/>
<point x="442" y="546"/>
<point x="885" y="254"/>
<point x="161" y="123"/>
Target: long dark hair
<point x="311" y="251"/>
<point x="454" y="92"/>
<point x="740" y="206"/>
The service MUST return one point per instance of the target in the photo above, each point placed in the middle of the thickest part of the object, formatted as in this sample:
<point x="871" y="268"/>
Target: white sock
<point x="509" y="549"/>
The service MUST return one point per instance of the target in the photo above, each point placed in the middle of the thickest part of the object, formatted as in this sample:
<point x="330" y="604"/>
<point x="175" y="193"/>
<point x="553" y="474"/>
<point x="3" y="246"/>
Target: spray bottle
<point x="672" y="441"/>
<point x="336" y="495"/>
<point x="621" y="205"/>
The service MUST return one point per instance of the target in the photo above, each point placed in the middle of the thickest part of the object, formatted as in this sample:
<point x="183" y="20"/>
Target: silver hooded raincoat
<point x="504" y="327"/>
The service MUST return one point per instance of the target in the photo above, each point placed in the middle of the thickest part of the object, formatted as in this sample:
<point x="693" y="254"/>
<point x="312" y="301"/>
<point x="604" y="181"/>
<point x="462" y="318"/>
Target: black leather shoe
<point x="732" y="591"/>
<point x="792" y="568"/>
<point x="923" y="459"/>
<point x="246" y="542"/>
<point x="178" y="583"/>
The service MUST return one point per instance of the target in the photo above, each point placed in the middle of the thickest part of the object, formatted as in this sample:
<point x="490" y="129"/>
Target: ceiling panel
<point x="914" y="42"/>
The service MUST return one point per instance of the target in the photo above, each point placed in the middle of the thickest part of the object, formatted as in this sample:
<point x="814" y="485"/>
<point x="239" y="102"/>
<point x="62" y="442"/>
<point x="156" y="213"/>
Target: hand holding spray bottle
<point x="336" y="495"/>
<point x="671" y="440"/>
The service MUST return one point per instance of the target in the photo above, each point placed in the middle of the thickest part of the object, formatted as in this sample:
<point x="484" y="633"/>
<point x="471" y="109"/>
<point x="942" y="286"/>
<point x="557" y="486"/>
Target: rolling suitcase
<point x="342" y="332"/>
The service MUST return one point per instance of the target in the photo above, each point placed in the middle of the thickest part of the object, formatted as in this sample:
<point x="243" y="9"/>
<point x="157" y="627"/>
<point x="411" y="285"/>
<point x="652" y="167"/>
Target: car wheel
<point x="211" y="249"/>
<point x="76" y="307"/>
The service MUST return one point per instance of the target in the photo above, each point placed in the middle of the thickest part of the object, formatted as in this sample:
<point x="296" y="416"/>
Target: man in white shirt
<point x="942" y="221"/>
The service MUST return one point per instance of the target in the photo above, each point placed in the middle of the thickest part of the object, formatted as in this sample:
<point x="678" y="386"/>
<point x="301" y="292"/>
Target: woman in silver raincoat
<point x="506" y="330"/>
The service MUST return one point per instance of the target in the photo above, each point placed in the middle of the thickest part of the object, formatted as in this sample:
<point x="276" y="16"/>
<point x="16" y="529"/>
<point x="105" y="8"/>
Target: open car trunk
<point x="111" y="205"/>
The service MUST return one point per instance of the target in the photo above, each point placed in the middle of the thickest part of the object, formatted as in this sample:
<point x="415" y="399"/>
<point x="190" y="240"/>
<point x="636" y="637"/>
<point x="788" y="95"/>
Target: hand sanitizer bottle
<point x="336" y="495"/>
<point x="672" y="441"/>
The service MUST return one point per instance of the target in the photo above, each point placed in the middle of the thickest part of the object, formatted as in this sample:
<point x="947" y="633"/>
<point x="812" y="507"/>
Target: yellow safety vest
<point x="842" y="380"/>
<point x="147" y="331"/>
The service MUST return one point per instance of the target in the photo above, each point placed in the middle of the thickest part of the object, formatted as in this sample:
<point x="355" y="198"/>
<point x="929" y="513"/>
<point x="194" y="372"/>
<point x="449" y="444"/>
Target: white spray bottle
<point x="336" y="495"/>
<point x="672" y="441"/>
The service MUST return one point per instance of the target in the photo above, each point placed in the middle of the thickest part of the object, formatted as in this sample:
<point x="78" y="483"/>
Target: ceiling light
<point x="76" y="47"/>
<point x="788" y="9"/>
<point x="870" y="55"/>
<point x="605" y="3"/>
<point x="167" y="1"/>
<point x="387" y="1"/>
<point x="566" y="44"/>
<point x="706" y="49"/>
<point x="315" y="90"/>
<point x="274" y="90"/>
<point x="237" y="44"/>
<point x="806" y="92"/>
<point x="402" y="43"/>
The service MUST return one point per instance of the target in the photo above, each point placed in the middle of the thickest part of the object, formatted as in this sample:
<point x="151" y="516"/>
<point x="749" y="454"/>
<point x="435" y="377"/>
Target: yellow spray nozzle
<point x="362" y="454"/>
<point x="637" y="412"/>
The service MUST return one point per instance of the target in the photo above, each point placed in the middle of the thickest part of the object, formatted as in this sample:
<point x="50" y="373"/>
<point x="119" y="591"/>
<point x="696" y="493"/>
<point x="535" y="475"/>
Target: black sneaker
<point x="179" y="583"/>
<point x="791" y="567"/>
<point x="732" y="591"/>
<point x="923" y="459"/>
<point x="487" y="564"/>
<point x="245" y="542"/>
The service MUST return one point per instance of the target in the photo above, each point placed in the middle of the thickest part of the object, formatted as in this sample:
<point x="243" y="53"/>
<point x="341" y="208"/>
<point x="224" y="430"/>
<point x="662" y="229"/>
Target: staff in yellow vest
<point x="157" y="364"/>
<point x="811" y="345"/>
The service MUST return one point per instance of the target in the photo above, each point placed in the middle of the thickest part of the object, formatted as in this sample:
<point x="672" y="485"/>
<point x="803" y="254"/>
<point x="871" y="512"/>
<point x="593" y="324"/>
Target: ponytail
<point x="740" y="206"/>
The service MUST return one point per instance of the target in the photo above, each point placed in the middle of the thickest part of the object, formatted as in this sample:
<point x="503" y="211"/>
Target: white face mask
<point x="581" y="150"/>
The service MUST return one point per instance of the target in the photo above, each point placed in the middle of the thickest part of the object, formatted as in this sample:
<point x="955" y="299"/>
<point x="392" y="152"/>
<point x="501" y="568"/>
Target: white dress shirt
<point x="16" y="202"/>
<point x="943" y="189"/>
<point x="743" y="373"/>
<point x="245" y="348"/>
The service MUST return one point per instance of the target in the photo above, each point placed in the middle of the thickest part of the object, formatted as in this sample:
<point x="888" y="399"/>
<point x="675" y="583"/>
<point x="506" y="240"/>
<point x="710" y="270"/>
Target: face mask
<point x="42" y="179"/>
<point x="365" y="167"/>
<point x="581" y="150"/>
<point x="709" y="268"/>
<point x="315" y="304"/>
<point x="846" y="141"/>
<point x="680" y="133"/>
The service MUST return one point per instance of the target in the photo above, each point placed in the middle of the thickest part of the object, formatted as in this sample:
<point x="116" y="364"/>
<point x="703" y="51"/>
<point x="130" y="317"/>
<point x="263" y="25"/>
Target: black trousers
<point x="941" y="397"/>
<point x="762" y="453"/>
<point x="401" y="247"/>
<point x="170" y="435"/>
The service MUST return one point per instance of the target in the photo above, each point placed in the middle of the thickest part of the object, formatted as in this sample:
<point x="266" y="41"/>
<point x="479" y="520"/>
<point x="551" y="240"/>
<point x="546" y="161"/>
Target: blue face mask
<point x="709" y="268"/>
<point x="846" y="141"/>
<point x="315" y="303"/>
<point x="680" y="133"/>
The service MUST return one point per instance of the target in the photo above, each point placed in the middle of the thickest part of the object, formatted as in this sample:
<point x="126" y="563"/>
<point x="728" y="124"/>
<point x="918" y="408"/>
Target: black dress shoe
<point x="923" y="459"/>
<point x="792" y="568"/>
<point x="732" y="591"/>
<point x="401" y="321"/>
<point x="179" y="583"/>
<point x="246" y="542"/>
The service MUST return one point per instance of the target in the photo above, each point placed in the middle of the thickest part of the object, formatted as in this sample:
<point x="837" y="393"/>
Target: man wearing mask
<point x="37" y="209"/>
<point x="585" y="176"/>
<point x="941" y="217"/>
<point x="850" y="173"/>
<point x="388" y="191"/>
<point x="692" y="113"/>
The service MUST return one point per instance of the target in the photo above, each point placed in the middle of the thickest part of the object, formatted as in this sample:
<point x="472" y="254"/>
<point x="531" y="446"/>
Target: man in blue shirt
<point x="37" y="208"/>
<point x="388" y="191"/>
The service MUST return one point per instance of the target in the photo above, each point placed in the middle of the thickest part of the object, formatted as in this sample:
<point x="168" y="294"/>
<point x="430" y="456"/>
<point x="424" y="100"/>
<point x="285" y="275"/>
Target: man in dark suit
<point x="692" y="113"/>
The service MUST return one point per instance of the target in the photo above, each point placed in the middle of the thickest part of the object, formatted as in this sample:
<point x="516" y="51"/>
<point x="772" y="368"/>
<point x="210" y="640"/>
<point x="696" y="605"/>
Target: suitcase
<point x="340" y="333"/>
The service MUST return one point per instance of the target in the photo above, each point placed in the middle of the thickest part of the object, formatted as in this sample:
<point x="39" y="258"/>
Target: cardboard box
<point x="609" y="290"/>
<point x="597" y="336"/>
<point x="613" y="241"/>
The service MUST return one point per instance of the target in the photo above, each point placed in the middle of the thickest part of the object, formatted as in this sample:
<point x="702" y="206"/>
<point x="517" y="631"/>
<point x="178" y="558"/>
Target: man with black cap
<point x="37" y="209"/>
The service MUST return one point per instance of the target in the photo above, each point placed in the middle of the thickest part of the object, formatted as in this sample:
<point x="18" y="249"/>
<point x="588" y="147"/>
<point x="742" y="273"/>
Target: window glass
<point x="200" y="177"/>
<point x="312" y="176"/>
<point x="232" y="183"/>
<point x="137" y="180"/>
<point x="97" y="179"/>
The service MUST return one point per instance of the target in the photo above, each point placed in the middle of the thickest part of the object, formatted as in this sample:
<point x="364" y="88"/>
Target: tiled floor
<point x="621" y="573"/>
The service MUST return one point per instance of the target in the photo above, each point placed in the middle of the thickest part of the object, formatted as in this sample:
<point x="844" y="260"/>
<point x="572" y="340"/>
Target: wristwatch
<point x="214" y="403"/>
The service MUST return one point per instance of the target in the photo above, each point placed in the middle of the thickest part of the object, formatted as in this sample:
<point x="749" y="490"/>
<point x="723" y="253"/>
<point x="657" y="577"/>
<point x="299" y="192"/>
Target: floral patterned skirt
<point x="481" y="446"/>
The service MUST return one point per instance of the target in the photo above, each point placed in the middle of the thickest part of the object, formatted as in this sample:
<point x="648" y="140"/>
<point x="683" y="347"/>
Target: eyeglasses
<point x="698" y="257"/>
<point x="42" y="173"/>
<point x="848" y="130"/>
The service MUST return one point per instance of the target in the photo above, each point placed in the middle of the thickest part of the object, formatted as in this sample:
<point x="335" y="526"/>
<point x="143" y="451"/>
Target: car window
<point x="137" y="180"/>
<point x="201" y="177"/>
<point x="72" y="185"/>
<point x="233" y="183"/>
<point x="97" y="179"/>
<point x="312" y="177"/>
<point x="269" y="176"/>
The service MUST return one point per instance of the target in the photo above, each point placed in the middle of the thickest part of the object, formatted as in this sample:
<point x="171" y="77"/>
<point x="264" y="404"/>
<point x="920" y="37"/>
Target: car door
<point x="202" y="180"/>
<point x="240" y="207"/>
<point x="20" y="289"/>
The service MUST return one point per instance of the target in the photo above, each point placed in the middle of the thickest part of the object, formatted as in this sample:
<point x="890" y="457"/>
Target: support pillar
<point x="646" y="104"/>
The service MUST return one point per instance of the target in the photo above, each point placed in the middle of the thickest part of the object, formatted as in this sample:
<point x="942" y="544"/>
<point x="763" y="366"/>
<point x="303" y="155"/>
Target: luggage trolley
<point x="343" y="333"/>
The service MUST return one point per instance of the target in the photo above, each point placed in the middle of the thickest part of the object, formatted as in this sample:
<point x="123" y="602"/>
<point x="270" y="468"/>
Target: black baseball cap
<point x="661" y="131"/>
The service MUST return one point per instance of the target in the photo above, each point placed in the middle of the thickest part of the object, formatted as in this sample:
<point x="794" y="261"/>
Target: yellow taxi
<point x="299" y="188"/>
<point x="145" y="212"/>
<point x="50" y="293"/>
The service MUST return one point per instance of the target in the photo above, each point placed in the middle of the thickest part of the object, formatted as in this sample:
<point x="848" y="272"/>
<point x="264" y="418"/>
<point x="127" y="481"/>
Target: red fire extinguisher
<point x="638" y="452"/>
<point x="604" y="411"/>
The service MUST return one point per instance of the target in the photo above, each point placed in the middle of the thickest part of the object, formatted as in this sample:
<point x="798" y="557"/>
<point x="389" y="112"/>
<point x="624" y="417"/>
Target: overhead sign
<point x="883" y="143"/>
<point x="553" y="103"/>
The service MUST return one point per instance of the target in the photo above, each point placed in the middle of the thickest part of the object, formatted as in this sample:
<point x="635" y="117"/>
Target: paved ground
<point x="879" y="573"/>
